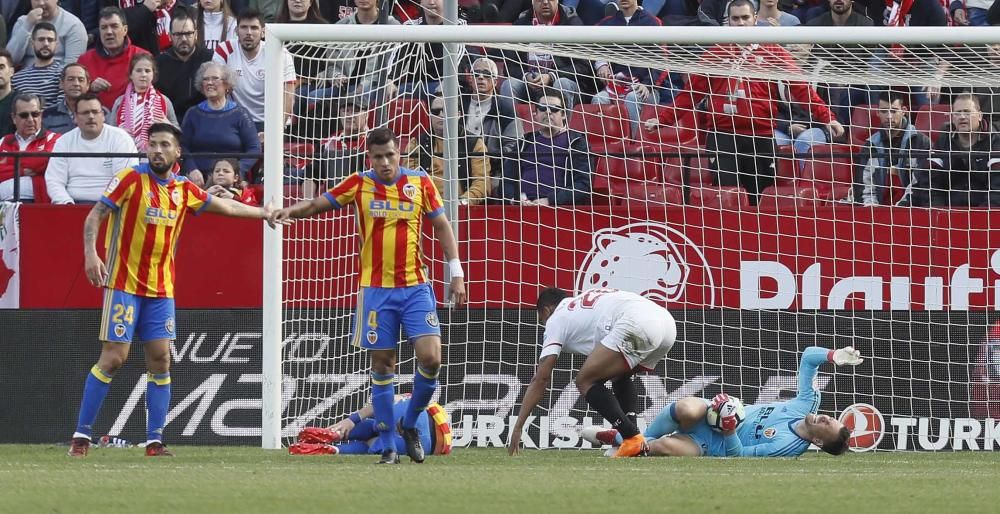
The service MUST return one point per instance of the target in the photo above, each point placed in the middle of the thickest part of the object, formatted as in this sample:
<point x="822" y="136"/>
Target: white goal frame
<point x="278" y="34"/>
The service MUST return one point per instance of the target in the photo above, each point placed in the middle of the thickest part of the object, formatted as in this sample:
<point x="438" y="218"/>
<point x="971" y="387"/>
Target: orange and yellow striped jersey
<point x="148" y="213"/>
<point x="390" y="220"/>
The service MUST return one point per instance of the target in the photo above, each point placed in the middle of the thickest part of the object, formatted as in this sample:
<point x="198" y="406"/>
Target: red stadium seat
<point x="786" y="169"/>
<point x="788" y="197"/>
<point x="712" y="197"/>
<point x="526" y="115"/>
<point x="930" y="119"/>
<point x="829" y="163"/>
<point x="647" y="194"/>
<point x="297" y="154"/>
<point x="700" y="171"/>
<point x="864" y="121"/>
<point x="603" y="124"/>
<point x="408" y="117"/>
<point x="683" y="134"/>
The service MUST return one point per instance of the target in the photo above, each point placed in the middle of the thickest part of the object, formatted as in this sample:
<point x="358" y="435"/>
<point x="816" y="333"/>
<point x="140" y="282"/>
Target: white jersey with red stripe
<point x="639" y="328"/>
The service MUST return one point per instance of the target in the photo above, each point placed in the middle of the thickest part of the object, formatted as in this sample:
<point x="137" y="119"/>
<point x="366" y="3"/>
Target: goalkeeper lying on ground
<point x="779" y="429"/>
<point x="356" y="434"/>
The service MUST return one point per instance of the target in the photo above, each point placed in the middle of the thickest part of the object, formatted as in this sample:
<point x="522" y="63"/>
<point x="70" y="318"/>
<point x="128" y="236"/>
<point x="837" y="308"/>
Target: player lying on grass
<point x="357" y="434"/>
<point x="620" y="333"/>
<point x="779" y="429"/>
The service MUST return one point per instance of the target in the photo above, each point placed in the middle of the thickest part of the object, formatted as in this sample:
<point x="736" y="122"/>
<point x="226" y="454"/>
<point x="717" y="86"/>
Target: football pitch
<point x="40" y="478"/>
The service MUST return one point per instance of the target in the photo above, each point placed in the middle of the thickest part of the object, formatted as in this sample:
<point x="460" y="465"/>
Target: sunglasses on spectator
<point x="548" y="108"/>
<point x="438" y="111"/>
<point x="26" y="115"/>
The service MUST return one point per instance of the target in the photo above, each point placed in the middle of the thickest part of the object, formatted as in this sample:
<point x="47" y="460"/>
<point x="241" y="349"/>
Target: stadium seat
<point x="788" y="197"/>
<point x="408" y="117"/>
<point x="647" y="194"/>
<point x="603" y="124"/>
<point x="829" y="170"/>
<point x="699" y="171"/>
<point x="673" y="171"/>
<point x="297" y="154"/>
<point x="526" y="115"/>
<point x="683" y="134"/>
<point x="864" y="121"/>
<point x="712" y="197"/>
<point x="786" y="170"/>
<point x="929" y="119"/>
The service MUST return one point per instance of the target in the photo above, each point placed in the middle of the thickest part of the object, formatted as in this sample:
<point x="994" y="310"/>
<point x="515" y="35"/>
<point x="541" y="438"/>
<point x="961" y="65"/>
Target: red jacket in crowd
<point x="114" y="69"/>
<point x="743" y="105"/>
<point x="43" y="143"/>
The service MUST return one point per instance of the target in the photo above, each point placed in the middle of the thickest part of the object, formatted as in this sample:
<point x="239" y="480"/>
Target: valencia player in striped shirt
<point x="391" y="203"/>
<point x="146" y="207"/>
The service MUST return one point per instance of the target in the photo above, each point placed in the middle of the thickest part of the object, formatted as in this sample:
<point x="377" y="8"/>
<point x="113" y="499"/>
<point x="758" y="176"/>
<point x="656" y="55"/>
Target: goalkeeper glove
<point x="847" y="356"/>
<point x="726" y="422"/>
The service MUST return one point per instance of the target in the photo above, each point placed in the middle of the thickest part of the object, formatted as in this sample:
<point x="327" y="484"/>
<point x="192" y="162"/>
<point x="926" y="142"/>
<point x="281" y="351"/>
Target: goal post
<point x="752" y="276"/>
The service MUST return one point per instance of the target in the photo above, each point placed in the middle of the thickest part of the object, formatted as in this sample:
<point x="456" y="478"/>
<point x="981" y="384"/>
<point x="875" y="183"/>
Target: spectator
<point x="7" y="92"/>
<point x="890" y="156"/>
<point x="355" y="71"/>
<point x="551" y="165"/>
<point x="743" y="111"/>
<point x="309" y="59"/>
<point x="970" y="12"/>
<point x="637" y="86"/>
<point x="216" y="23"/>
<point x="964" y="168"/>
<point x="424" y="78"/>
<point x="179" y="64"/>
<point x="768" y="15"/>
<point x="3" y="30"/>
<point x="29" y="136"/>
<point x="426" y="152"/>
<point x="42" y="76"/>
<point x="217" y="125"/>
<point x="268" y="9"/>
<point x="109" y="61"/>
<point x="794" y="124"/>
<point x="73" y="82"/>
<point x="149" y="22"/>
<point x="142" y="105"/>
<point x="72" y="36"/>
<point x="336" y="10"/>
<point x="247" y="61"/>
<point x="226" y="182"/>
<point x="343" y="152"/>
<point x="503" y="11"/>
<point x="591" y="11"/>
<point x="83" y="179"/>
<point x="488" y="115"/>
<point x="844" y="98"/>
<point x="530" y="72"/>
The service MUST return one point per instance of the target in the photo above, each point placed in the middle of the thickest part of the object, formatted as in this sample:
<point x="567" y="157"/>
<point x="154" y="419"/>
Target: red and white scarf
<point x="136" y="120"/>
<point x="162" y="21"/>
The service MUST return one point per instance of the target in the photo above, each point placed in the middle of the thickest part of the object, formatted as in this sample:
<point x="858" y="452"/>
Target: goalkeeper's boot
<point x="413" y="447"/>
<point x="389" y="457"/>
<point x="634" y="446"/>
<point x="157" y="449"/>
<point x="78" y="447"/>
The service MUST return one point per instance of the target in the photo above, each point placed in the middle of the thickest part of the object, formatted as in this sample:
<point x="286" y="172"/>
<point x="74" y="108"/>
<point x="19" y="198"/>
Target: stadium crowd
<point x="91" y="77"/>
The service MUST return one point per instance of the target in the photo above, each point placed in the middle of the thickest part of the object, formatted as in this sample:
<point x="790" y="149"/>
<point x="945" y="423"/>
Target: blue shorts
<point x="126" y="316"/>
<point x="382" y="310"/>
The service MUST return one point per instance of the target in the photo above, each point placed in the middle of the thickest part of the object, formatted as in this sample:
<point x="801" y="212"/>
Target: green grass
<point x="41" y="478"/>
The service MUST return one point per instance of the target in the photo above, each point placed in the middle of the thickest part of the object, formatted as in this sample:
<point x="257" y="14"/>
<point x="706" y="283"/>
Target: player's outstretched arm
<point x="539" y="383"/>
<point x="445" y="236"/>
<point x="97" y="273"/>
<point x="302" y="209"/>
<point x="227" y="207"/>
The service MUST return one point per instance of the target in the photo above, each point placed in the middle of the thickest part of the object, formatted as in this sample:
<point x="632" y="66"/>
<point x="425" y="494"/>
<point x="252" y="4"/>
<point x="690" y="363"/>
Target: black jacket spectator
<point x="176" y="78"/>
<point x="961" y="177"/>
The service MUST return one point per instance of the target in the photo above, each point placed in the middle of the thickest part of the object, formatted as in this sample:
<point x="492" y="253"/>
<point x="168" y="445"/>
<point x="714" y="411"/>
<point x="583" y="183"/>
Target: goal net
<point x="774" y="188"/>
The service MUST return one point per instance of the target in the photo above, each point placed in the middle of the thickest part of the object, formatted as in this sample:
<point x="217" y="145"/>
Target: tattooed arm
<point x="97" y="273"/>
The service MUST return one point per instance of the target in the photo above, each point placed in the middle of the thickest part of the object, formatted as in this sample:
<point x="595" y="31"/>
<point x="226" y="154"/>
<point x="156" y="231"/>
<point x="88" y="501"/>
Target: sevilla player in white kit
<point x="620" y="333"/>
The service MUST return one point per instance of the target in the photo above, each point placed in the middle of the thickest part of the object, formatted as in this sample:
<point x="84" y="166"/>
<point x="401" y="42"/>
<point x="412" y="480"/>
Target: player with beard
<point x="147" y="205"/>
